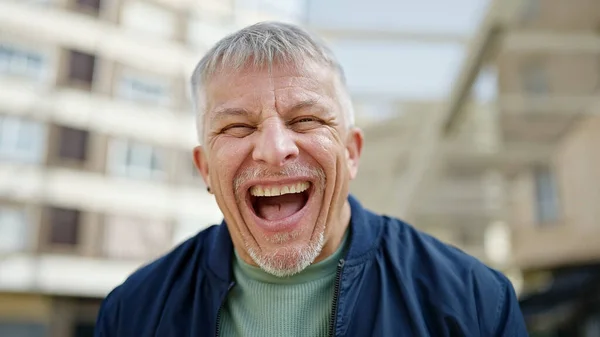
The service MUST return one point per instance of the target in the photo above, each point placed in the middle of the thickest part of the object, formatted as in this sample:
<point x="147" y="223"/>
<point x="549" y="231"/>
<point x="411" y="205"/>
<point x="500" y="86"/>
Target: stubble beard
<point x="288" y="261"/>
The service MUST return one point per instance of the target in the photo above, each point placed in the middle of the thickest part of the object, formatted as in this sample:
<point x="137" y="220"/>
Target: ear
<point x="354" y="146"/>
<point x="201" y="162"/>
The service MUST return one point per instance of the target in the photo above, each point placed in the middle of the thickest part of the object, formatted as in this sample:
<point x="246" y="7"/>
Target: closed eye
<point x="233" y="126"/>
<point x="306" y="120"/>
<point x="306" y="123"/>
<point x="238" y="130"/>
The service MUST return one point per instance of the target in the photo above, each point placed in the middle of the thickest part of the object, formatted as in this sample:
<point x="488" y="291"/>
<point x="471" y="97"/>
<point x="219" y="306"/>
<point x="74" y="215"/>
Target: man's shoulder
<point x="424" y="249"/>
<point x="157" y="275"/>
<point x="463" y="286"/>
<point x="415" y="250"/>
<point x="152" y="285"/>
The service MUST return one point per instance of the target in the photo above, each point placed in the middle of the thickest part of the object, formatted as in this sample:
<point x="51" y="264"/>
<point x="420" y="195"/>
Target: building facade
<point x="554" y="203"/>
<point x="96" y="132"/>
<point x="546" y="54"/>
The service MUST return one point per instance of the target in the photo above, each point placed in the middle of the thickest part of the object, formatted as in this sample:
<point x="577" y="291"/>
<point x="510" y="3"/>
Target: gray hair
<point x="259" y="45"/>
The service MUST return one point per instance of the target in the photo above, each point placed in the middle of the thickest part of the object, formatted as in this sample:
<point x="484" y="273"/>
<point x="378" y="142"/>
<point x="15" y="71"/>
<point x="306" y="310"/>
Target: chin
<point x="289" y="258"/>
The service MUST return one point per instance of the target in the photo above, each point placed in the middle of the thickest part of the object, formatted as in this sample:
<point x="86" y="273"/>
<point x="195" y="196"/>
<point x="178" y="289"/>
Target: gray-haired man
<point x="296" y="255"/>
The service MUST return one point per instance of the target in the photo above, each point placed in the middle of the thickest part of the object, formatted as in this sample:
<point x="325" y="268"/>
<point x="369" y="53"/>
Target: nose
<point x="275" y="145"/>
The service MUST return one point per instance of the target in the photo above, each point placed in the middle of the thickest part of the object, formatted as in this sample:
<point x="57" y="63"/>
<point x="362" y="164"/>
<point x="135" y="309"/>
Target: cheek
<point x="325" y="150"/>
<point x="229" y="155"/>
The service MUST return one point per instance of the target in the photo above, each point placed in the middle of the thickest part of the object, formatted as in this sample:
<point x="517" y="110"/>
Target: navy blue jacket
<point x="393" y="281"/>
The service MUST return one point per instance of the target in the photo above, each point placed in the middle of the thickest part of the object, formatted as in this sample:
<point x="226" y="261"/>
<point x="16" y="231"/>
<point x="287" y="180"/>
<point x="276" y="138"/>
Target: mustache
<point x="289" y="171"/>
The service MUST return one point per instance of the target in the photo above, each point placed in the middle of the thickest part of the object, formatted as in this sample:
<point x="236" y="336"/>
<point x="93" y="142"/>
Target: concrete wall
<point x="575" y="237"/>
<point x="560" y="14"/>
<point x="578" y="171"/>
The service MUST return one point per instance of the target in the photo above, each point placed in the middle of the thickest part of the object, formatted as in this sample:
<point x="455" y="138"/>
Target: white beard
<point x="288" y="261"/>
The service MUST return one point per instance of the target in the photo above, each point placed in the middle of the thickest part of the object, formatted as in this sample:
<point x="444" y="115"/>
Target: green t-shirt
<point x="265" y="305"/>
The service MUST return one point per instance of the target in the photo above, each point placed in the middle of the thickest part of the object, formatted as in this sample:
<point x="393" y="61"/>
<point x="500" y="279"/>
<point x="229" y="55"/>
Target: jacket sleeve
<point x="107" y="319"/>
<point x="498" y="305"/>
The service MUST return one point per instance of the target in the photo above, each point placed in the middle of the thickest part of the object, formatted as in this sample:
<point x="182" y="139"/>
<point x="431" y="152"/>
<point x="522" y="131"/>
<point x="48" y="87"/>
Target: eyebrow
<point x="229" y="112"/>
<point x="309" y="103"/>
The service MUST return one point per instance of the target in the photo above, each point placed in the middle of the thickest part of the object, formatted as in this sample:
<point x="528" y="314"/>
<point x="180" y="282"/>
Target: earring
<point x="208" y="189"/>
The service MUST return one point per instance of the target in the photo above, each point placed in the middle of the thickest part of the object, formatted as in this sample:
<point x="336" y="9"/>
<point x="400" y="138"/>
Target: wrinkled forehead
<point x="251" y="83"/>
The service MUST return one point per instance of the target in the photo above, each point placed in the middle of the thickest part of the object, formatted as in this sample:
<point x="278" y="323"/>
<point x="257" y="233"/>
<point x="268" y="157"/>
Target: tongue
<point x="275" y="208"/>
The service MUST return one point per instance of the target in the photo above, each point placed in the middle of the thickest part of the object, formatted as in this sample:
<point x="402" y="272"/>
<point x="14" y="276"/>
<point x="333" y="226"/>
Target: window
<point x="137" y="160"/>
<point x="73" y="143"/>
<point x="89" y="5"/>
<point x="64" y="226"/>
<point x="546" y="196"/>
<point x="136" y="238"/>
<point x="144" y="90"/>
<point x="21" y="140"/>
<point x="535" y="78"/>
<point x="13" y="229"/>
<point x="81" y="67"/>
<point x="21" y="62"/>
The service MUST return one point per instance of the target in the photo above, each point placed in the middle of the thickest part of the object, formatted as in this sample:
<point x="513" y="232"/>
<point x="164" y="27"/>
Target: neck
<point x="336" y="233"/>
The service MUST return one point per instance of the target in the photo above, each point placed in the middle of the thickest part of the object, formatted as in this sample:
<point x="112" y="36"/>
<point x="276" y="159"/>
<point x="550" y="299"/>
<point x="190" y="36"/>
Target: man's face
<point x="278" y="158"/>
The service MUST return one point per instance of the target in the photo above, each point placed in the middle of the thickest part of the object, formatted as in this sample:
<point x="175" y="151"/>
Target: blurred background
<point x="481" y="118"/>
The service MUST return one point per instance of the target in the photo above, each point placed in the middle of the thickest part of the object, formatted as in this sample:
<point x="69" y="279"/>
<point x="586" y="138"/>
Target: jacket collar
<point x="221" y="253"/>
<point x="365" y="229"/>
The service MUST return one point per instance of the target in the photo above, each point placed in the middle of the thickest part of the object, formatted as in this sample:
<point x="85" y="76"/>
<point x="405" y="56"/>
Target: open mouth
<point x="278" y="202"/>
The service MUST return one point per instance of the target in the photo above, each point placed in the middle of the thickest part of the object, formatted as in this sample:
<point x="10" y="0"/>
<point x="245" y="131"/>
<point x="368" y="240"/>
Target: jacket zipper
<point x="336" y="294"/>
<point x="217" y="332"/>
<point x="218" y="328"/>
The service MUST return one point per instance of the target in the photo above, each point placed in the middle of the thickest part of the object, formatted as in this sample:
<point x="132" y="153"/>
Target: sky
<point x="403" y="69"/>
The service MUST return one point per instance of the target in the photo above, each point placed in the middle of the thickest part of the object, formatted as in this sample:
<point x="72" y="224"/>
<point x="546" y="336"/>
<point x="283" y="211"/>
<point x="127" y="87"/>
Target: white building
<point x="96" y="133"/>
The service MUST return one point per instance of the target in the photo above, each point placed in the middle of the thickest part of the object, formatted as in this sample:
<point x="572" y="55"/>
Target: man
<point x="296" y="255"/>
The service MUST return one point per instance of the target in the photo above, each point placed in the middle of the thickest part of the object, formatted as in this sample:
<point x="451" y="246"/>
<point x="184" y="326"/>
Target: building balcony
<point x="105" y="194"/>
<point x="555" y="207"/>
<point x="63" y="275"/>
<point x="554" y="244"/>
<point x="100" y="114"/>
<point x="75" y="233"/>
<point x="85" y="33"/>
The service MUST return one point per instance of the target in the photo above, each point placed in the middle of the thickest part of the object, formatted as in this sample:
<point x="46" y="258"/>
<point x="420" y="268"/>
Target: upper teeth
<point x="273" y="191"/>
